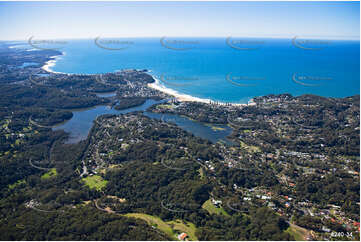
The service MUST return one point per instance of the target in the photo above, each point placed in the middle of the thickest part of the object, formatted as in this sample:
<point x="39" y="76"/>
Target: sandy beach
<point x="51" y="63"/>
<point x="184" y="97"/>
<point x="179" y="96"/>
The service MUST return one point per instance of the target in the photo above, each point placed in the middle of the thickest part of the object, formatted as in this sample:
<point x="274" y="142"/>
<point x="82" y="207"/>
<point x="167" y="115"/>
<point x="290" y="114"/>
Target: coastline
<point x="51" y="63"/>
<point x="155" y="85"/>
<point x="185" y="97"/>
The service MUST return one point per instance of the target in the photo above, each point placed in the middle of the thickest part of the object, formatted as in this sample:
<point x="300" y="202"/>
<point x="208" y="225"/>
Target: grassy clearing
<point x="95" y="182"/>
<point x="250" y="148"/>
<point x="49" y="174"/>
<point x="298" y="233"/>
<point x="156" y="222"/>
<point x="208" y="205"/>
<point x="171" y="228"/>
<point x="186" y="227"/>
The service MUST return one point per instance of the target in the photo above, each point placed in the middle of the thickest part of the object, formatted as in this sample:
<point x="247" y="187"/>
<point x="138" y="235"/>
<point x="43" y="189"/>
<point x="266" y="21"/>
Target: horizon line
<point x="333" y="37"/>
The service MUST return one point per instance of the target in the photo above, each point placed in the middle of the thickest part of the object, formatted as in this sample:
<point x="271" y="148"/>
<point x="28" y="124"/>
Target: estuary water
<point x="80" y="124"/>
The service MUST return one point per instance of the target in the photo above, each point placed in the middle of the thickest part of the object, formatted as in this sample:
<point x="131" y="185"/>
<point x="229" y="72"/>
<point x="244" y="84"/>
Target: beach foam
<point x="179" y="96"/>
<point x="51" y="63"/>
<point x="157" y="85"/>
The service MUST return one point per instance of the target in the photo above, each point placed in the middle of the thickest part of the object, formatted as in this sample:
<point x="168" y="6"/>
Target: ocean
<point x="225" y="69"/>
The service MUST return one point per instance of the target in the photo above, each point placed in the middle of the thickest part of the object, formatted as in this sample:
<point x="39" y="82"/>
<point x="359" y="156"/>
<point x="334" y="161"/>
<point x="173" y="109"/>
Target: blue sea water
<point x="226" y="70"/>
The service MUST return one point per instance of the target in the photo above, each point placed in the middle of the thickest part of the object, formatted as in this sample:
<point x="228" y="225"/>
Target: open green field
<point x="208" y="205"/>
<point x="298" y="233"/>
<point x="49" y="174"/>
<point x="250" y="148"/>
<point x="95" y="182"/>
<point x="186" y="227"/>
<point x="171" y="228"/>
<point x="156" y="222"/>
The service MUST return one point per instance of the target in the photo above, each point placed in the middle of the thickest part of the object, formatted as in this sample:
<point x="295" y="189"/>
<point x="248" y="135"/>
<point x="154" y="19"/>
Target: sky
<point x="72" y="20"/>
